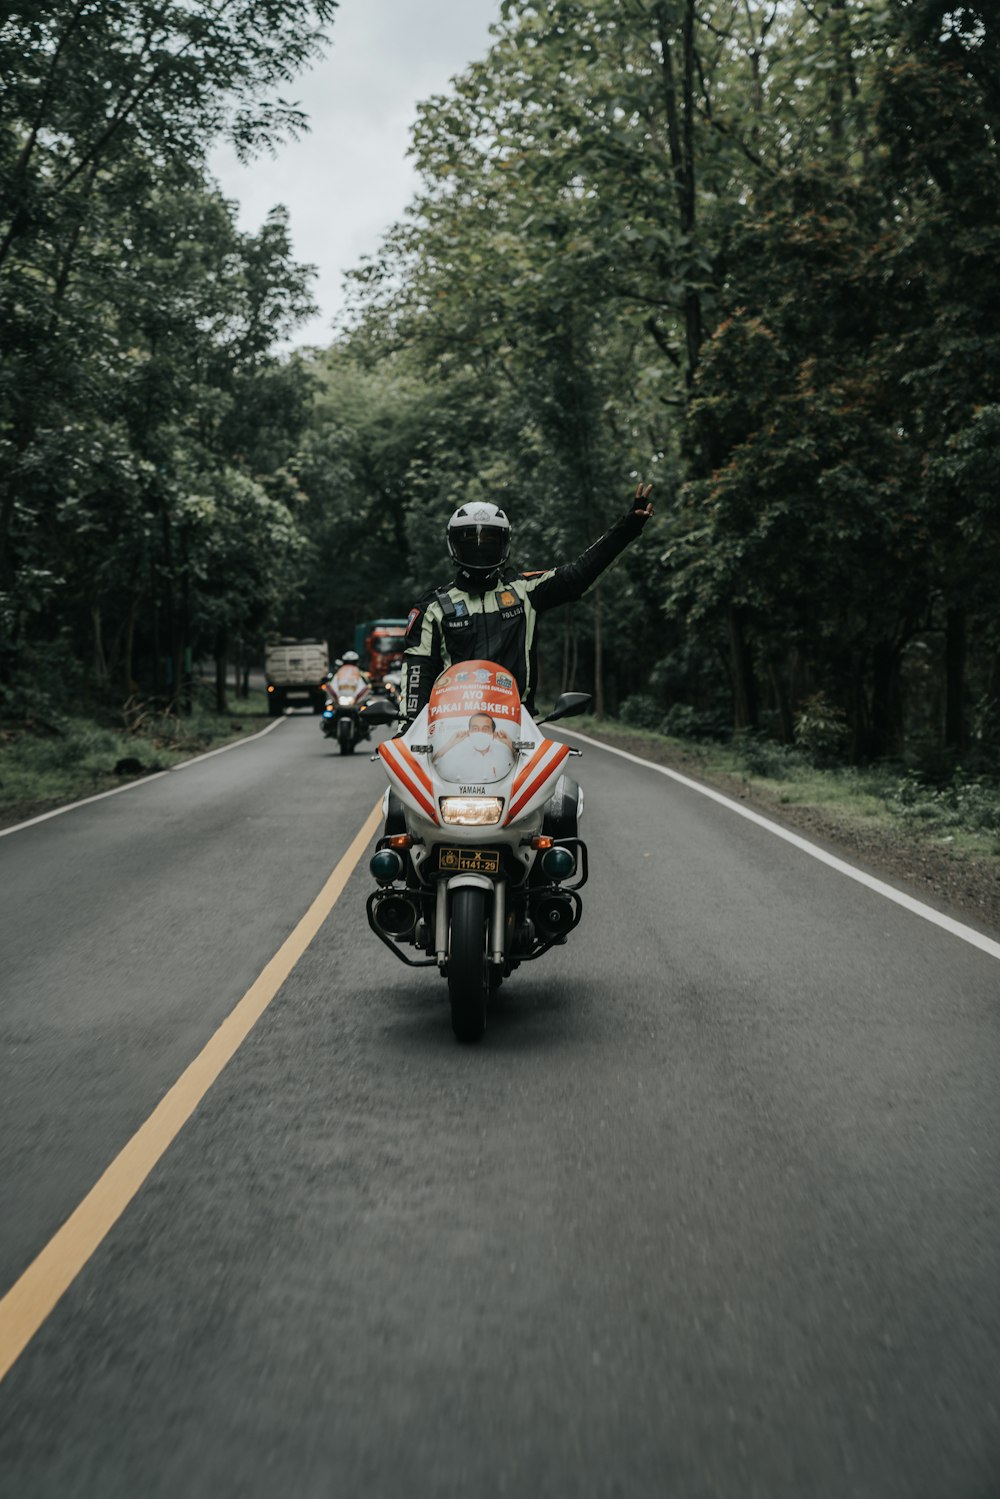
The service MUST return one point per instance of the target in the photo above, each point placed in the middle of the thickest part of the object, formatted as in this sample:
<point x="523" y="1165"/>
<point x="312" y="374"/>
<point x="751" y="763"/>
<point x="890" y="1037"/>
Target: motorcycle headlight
<point x="471" y="811"/>
<point x="345" y="700"/>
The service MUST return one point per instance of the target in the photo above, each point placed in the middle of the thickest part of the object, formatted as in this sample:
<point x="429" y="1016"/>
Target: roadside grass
<point x="74" y="754"/>
<point x="961" y="816"/>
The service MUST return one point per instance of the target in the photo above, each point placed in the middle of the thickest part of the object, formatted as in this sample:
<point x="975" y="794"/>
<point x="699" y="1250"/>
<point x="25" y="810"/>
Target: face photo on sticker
<point x="482" y="751"/>
<point x="482" y="732"/>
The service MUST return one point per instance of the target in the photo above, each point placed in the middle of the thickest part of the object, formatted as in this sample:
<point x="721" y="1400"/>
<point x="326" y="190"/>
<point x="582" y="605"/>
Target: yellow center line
<point x="31" y="1298"/>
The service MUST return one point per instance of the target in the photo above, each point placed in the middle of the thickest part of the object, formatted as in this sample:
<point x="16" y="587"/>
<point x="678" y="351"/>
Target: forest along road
<point x="714" y="1209"/>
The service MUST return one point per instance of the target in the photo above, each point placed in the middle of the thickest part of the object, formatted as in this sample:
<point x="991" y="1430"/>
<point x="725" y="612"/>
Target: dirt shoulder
<point x="965" y="885"/>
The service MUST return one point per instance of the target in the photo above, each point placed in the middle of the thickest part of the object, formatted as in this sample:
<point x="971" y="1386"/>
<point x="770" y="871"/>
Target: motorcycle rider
<point x="347" y="680"/>
<point x="488" y="611"/>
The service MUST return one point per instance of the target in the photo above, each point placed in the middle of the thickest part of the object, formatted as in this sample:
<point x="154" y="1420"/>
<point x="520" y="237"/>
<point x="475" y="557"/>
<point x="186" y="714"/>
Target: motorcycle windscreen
<point x="474" y="719"/>
<point x="348" y="680"/>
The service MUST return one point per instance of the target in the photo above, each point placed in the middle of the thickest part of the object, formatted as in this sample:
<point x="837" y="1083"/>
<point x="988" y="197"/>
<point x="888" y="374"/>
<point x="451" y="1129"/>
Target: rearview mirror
<point x="380" y="710"/>
<point x="568" y="705"/>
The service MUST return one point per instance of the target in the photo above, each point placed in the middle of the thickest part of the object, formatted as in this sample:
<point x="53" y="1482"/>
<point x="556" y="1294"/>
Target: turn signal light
<point x="400" y="840"/>
<point x="541" y="841"/>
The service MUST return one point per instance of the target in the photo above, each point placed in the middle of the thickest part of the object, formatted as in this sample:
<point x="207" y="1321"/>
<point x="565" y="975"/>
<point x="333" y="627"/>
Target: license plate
<point x="297" y="694"/>
<point x="469" y="860"/>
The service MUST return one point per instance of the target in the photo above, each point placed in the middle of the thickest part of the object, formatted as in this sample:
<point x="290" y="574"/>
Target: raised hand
<point x="643" y="504"/>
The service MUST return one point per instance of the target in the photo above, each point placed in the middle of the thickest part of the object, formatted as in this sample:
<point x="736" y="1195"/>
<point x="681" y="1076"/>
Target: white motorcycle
<point x="345" y="717"/>
<point x="481" y="863"/>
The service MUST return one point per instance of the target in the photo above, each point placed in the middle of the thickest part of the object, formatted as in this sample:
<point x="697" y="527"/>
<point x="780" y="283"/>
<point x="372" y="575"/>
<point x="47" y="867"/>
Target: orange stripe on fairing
<point x="416" y="767"/>
<point x="397" y="770"/>
<point x="418" y="796"/>
<point x="542" y="776"/>
<point x="523" y="775"/>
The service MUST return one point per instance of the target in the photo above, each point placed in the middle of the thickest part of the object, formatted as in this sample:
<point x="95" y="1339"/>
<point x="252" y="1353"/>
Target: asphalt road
<point x="714" y="1210"/>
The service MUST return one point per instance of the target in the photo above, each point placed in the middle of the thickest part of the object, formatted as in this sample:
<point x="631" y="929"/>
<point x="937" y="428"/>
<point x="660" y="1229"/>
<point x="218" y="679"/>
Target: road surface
<point x="714" y="1209"/>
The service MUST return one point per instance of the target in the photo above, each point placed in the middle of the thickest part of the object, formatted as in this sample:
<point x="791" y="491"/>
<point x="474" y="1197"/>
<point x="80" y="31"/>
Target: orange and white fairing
<point x="474" y="738"/>
<point x="349" y="681"/>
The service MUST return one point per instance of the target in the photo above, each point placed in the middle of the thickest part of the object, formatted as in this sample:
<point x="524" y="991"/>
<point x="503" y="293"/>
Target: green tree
<point x="137" y="324"/>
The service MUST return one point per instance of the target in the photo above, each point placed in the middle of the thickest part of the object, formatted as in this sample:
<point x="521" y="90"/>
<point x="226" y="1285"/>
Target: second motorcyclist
<point x="348" y="689"/>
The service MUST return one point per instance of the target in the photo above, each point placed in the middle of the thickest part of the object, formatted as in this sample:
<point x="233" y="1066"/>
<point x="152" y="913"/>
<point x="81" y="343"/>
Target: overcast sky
<point x="347" y="180"/>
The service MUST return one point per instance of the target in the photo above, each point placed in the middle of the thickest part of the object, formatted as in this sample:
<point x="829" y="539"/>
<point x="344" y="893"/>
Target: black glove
<point x="632" y="522"/>
<point x="640" y="510"/>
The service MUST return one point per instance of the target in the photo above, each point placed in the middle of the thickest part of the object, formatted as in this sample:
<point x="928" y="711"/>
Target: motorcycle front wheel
<point x="345" y="737"/>
<point x="468" y="970"/>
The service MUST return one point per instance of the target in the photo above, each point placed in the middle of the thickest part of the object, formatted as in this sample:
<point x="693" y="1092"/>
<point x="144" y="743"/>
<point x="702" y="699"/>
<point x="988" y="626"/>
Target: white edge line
<point x="143" y="781"/>
<point x="908" y="902"/>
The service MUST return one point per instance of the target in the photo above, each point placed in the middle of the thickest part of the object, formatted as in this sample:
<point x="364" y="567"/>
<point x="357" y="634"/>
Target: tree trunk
<point x="885" y="717"/>
<point x="173" y="639"/>
<point x="129" y="649"/>
<point x="782" y="703"/>
<point x="241" y="672"/>
<point x="100" y="659"/>
<point x="177" y="676"/>
<point x="611" y="686"/>
<point x="157" y="647"/>
<point x="843" y="78"/>
<point x="859" y="717"/>
<point x="741" y="673"/>
<point x="184" y="683"/>
<point x="679" y="109"/>
<point x="221" y="666"/>
<point x="598" y="657"/>
<point x="954" y="678"/>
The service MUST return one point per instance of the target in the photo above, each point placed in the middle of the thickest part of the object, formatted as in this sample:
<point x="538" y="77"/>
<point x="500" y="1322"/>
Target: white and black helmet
<point x="349" y="658"/>
<point x="479" y="537"/>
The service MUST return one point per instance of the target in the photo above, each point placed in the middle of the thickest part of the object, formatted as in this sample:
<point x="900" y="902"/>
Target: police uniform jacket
<point x="461" y="623"/>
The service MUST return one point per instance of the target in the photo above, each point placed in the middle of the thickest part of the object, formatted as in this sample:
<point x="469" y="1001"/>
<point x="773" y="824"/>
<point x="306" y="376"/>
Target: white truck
<point x="295" y="670"/>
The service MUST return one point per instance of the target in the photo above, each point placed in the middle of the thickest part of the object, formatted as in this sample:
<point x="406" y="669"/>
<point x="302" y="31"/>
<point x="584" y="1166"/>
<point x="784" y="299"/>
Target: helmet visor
<point x="479" y="548"/>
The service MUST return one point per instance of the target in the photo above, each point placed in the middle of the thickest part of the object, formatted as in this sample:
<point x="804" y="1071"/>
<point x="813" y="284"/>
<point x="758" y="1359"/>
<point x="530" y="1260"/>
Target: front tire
<point x="468" y="970"/>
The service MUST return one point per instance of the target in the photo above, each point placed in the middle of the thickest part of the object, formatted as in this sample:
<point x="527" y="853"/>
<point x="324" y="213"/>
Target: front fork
<point x="497" y="915"/>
